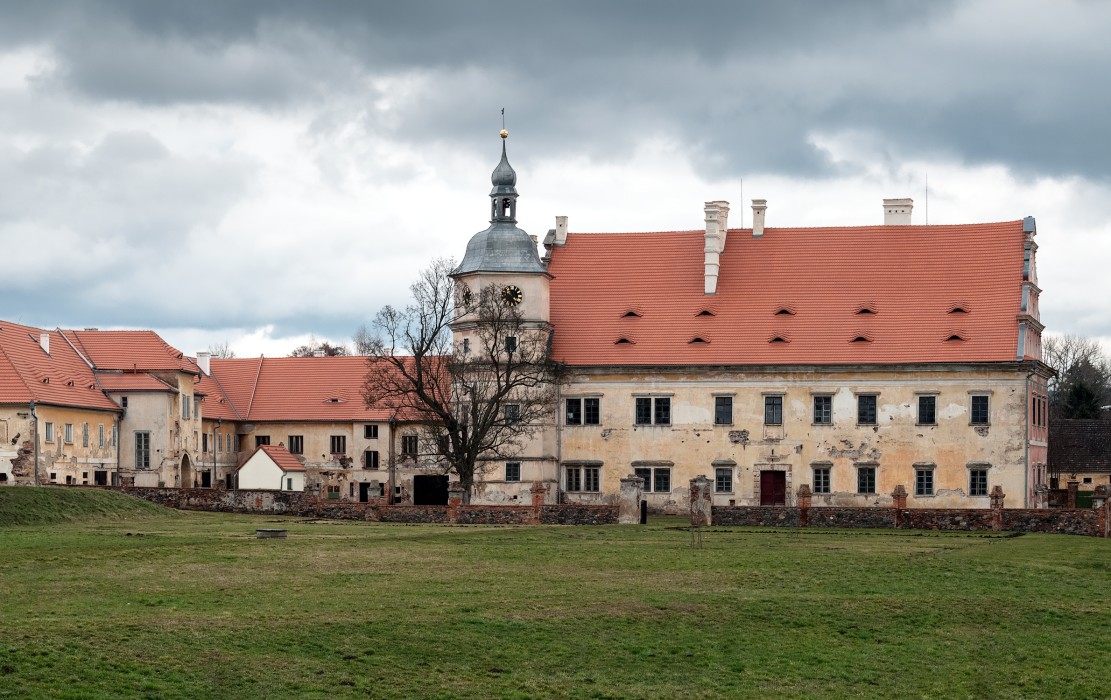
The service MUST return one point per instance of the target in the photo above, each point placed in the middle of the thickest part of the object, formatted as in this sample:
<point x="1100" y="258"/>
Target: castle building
<point x="850" y="359"/>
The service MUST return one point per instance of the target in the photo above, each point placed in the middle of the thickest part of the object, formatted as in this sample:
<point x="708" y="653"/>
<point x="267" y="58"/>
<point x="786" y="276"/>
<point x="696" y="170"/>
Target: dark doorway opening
<point x="773" y="488"/>
<point x="100" y="478"/>
<point x="430" y="490"/>
<point x="371" y="489"/>
<point x="206" y="480"/>
<point x="228" y="481"/>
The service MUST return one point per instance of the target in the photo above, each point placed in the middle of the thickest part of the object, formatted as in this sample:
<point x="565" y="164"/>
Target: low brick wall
<point x="303" y="505"/>
<point x="1069" y="521"/>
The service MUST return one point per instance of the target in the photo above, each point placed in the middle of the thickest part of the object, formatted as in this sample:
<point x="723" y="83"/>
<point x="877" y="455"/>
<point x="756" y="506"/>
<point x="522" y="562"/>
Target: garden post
<point x="805" y="495"/>
<point x="1074" y="486"/>
<point x="628" y="500"/>
<point x="899" y="503"/>
<point x="701" y="503"/>
<point x="997" y="497"/>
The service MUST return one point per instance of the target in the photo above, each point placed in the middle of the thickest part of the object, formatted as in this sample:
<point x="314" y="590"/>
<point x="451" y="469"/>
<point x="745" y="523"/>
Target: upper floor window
<point x="261" y="440"/>
<point x="866" y="409"/>
<point x="512" y="413"/>
<point x="185" y="407"/>
<point x="866" y="480"/>
<point x="723" y="410"/>
<point x="296" y="444"/>
<point x="67" y="433"/>
<point x="979" y="409"/>
<point x="927" y="410"/>
<point x="370" y="459"/>
<point x="823" y="410"/>
<point x="142" y="449"/>
<point x="338" y="444"/>
<point x="409" y="445"/>
<point x="48" y="432"/>
<point x="773" y="410"/>
<point x="370" y="432"/>
<point x="100" y="436"/>
<point x="584" y="411"/>
<point x="653" y="410"/>
<point x="84" y="434"/>
<point x="510" y="344"/>
<point x="512" y="471"/>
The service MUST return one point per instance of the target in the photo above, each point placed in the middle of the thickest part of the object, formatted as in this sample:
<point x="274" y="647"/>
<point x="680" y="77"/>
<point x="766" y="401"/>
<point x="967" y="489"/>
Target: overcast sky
<point x="259" y="172"/>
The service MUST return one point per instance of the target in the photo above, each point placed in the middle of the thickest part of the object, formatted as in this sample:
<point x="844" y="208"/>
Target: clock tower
<point x="501" y="276"/>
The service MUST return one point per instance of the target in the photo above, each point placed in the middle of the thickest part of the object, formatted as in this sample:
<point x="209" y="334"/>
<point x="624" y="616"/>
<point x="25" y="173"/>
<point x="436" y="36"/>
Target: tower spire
<point x="503" y="197"/>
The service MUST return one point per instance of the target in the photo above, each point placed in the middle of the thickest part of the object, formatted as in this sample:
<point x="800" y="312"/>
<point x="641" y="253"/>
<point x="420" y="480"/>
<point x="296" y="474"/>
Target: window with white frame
<point x="584" y="411"/>
<point x="48" y="432"/>
<point x="67" y="433"/>
<point x="84" y="434"/>
<point x="512" y="471"/>
<point x="723" y="480"/>
<point x="582" y="479"/>
<point x="100" y="436"/>
<point x="653" y="410"/>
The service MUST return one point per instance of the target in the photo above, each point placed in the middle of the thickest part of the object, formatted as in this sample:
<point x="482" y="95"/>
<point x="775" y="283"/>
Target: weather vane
<point x="504" y="133"/>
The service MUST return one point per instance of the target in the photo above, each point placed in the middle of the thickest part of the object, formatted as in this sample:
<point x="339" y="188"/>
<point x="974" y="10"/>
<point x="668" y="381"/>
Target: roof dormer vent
<point x="959" y="309"/>
<point x="697" y="341"/>
<point x="956" y="337"/>
<point x="630" y="314"/>
<point x="862" y="338"/>
<point x="785" y="311"/>
<point x="865" y="310"/>
<point x="705" y="312"/>
<point x="623" y="341"/>
<point x="779" y="339"/>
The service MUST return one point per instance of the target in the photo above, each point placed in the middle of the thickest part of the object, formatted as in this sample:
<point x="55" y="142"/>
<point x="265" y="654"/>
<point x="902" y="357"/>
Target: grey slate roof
<point x="501" y="248"/>
<point x="1080" y="445"/>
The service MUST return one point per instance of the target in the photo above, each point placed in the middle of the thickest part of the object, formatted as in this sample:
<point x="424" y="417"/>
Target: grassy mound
<point x="25" y="505"/>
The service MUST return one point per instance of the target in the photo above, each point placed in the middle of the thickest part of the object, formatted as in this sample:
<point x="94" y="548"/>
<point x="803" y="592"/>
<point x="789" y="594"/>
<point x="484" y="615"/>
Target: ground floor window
<point x="656" y="480"/>
<point x="866" y="480"/>
<point x="409" y="445"/>
<point x="923" y="482"/>
<point x="821" y="480"/>
<point x="582" y="479"/>
<point x="512" y="471"/>
<point x="370" y="459"/>
<point x="723" y="480"/>
<point x="978" y="482"/>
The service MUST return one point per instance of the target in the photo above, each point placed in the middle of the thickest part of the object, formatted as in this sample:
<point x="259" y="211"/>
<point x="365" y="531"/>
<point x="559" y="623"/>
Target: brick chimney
<point x="717" y="227"/>
<point x="896" y="212"/>
<point x="759" y="206"/>
<point x="203" y="362"/>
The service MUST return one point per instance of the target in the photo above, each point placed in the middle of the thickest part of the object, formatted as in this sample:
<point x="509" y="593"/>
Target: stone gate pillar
<point x="539" y="493"/>
<point x="805" y="497"/>
<point x="701" y="502"/>
<point x="1101" y="501"/>
<point x="997" y="497"/>
<point x="454" y="501"/>
<point x="899" y="503"/>
<point x="1074" y="486"/>
<point x="628" y="500"/>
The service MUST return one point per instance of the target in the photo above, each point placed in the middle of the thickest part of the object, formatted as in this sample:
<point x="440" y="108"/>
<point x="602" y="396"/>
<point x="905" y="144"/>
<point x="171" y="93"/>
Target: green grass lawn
<point x="185" y="605"/>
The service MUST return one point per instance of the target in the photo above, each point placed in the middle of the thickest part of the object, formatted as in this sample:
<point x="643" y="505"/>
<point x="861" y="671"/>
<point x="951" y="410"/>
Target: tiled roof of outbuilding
<point x="1080" y="445"/>
<point x="792" y="297"/>
<point x="281" y="457"/>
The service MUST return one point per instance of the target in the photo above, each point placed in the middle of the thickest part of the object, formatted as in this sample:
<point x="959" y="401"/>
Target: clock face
<point x="512" y="295"/>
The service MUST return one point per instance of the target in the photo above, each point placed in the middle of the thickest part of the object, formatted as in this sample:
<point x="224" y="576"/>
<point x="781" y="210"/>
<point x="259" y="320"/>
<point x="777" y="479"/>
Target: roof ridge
<point x="80" y="354"/>
<point x="254" y="387"/>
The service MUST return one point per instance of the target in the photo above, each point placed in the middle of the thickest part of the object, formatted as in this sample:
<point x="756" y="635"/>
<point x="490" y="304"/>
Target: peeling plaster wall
<point x="893" y="446"/>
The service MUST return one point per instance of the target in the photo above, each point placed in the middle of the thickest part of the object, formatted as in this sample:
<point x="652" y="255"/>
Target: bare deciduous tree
<point x="221" y="350"/>
<point x="476" y="402"/>
<point x="323" y="347"/>
<point x="1083" y="382"/>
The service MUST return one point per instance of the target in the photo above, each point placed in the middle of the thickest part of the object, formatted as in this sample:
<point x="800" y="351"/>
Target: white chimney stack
<point x="561" y="230"/>
<point x="203" y="362"/>
<point x="717" y="227"/>
<point x="896" y="212"/>
<point x="759" y="206"/>
<point x="44" y="341"/>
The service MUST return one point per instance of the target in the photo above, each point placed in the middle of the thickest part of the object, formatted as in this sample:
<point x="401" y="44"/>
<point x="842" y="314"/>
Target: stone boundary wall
<point x="303" y="505"/>
<point x="1067" y="521"/>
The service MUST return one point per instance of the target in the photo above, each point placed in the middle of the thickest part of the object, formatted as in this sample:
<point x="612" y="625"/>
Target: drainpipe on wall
<point x="392" y="464"/>
<point x="1026" y="445"/>
<point x="35" y="433"/>
<point x="559" y="442"/>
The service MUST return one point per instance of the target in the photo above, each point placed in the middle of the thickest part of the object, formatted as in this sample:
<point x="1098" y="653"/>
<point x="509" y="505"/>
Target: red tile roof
<point x="131" y="381"/>
<point x="910" y="276"/>
<point x="215" y="403"/>
<point x="61" y="378"/>
<point x="281" y="457"/>
<point x="129" y="350"/>
<point x="297" y="388"/>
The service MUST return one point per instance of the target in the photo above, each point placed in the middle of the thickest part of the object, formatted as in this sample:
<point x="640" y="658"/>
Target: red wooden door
<point x="773" y="488"/>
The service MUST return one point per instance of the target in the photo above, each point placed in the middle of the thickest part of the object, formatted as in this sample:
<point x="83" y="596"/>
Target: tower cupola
<point x="503" y="197"/>
<point x="503" y="247"/>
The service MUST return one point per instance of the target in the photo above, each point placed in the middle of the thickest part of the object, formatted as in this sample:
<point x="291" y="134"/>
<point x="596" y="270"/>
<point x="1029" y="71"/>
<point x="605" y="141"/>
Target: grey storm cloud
<point x="746" y="84"/>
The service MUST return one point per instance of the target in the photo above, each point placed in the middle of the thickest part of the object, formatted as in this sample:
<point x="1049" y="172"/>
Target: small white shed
<point x="272" y="468"/>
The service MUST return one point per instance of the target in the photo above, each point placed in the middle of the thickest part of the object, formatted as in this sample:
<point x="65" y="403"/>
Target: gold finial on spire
<point x="504" y="133"/>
